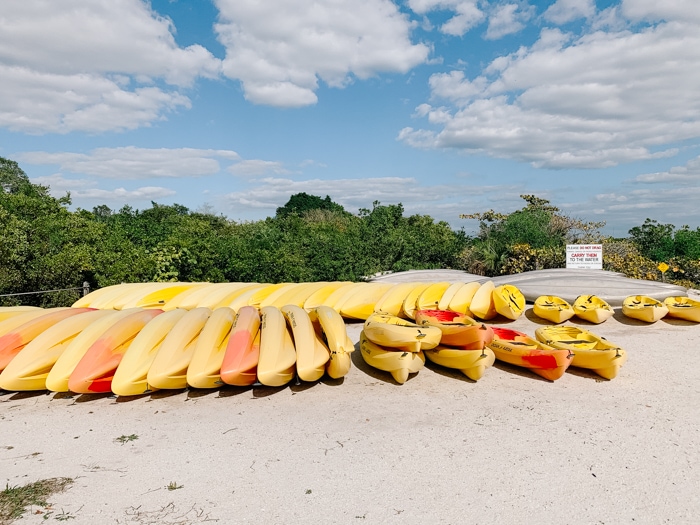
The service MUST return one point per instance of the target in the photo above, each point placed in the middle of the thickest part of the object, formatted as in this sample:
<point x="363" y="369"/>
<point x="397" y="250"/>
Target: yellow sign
<point x="663" y="267"/>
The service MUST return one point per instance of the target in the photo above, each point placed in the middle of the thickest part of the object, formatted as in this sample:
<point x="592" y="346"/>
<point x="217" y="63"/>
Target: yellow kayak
<point x="590" y="350"/>
<point x="312" y="353"/>
<point x="391" y="303"/>
<point x="204" y="370"/>
<point x="509" y="301"/>
<point x="397" y="362"/>
<point x="644" y="308"/>
<point x="7" y="312"/>
<point x="328" y="322"/>
<point x="472" y="363"/>
<point x="482" y="305"/>
<point x="361" y="304"/>
<point x="409" y="306"/>
<point x="278" y="357"/>
<point x="169" y="367"/>
<point x="130" y="378"/>
<point x="462" y="299"/>
<point x="431" y="296"/>
<point x="592" y="308"/>
<point x="552" y="308"/>
<point x="395" y="332"/>
<point x="683" y="308"/>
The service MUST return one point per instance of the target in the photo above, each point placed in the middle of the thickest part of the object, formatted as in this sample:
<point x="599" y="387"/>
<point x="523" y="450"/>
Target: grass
<point x="15" y="500"/>
<point x="174" y="486"/>
<point x="125" y="439"/>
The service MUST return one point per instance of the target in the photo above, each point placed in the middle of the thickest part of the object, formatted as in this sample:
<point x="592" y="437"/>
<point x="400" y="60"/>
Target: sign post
<point x="584" y="256"/>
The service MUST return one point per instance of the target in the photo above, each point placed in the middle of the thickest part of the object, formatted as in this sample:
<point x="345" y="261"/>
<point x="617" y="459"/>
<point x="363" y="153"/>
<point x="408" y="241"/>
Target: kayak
<point x="509" y="301"/>
<point x="395" y="332"/>
<point x="482" y="304"/>
<point x="240" y="364"/>
<point x="328" y="322"/>
<point x="397" y="362"/>
<point x="458" y="330"/>
<point x="590" y="350"/>
<point x="517" y="348"/>
<point x="592" y="308"/>
<point x="683" y="308"/>
<point x="644" y="308"/>
<point x="472" y="363"/>
<point x="552" y="308"/>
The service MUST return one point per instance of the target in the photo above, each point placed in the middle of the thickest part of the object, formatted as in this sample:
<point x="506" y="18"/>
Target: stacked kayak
<point x="463" y="343"/>
<point x="137" y="350"/>
<point x="395" y="345"/>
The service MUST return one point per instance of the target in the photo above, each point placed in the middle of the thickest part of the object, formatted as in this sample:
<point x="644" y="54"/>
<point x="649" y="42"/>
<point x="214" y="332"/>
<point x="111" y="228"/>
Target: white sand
<point x="438" y="449"/>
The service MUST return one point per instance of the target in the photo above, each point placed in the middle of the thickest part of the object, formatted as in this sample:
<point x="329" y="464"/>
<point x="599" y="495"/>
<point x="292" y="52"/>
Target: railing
<point x="85" y="288"/>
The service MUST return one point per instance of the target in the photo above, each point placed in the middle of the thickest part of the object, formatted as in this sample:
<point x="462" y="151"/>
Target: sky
<point x="448" y="107"/>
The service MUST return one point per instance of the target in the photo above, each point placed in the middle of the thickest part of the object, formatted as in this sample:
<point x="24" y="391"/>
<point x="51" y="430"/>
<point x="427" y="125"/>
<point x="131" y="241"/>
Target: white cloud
<point x="598" y="100"/>
<point x="135" y="163"/>
<point x="256" y="167"/>
<point x="121" y="195"/>
<point x="467" y="14"/>
<point x="563" y="11"/>
<point x="690" y="174"/>
<point x="92" y="66"/>
<point x="672" y="204"/>
<point x="280" y="49"/>
<point x="506" y="19"/>
<point x="85" y="190"/>
<point x="653" y="10"/>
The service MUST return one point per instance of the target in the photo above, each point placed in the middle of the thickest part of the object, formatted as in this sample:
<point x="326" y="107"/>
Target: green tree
<point x="686" y="243"/>
<point x="46" y="247"/>
<point x="300" y="203"/>
<point x="538" y="228"/>
<point x="654" y="240"/>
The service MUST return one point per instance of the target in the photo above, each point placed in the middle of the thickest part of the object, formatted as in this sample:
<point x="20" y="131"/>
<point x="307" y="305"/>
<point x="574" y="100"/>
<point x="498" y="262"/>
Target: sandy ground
<point x="439" y="449"/>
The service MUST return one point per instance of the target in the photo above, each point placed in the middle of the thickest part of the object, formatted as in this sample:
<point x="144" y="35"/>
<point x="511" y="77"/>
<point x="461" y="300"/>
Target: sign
<point x="584" y="256"/>
<point x="663" y="267"/>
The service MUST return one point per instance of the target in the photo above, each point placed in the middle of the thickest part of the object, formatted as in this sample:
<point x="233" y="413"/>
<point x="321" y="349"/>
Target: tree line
<point x="46" y="246"/>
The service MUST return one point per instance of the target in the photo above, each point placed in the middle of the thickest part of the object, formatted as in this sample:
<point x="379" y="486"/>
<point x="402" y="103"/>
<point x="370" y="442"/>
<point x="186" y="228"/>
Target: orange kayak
<point x="517" y="348"/>
<point x="95" y="370"/>
<point x="240" y="363"/>
<point x="15" y="340"/>
<point x="458" y="330"/>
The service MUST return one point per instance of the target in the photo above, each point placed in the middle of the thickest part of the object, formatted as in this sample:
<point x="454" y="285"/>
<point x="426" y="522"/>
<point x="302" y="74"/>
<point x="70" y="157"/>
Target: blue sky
<point x="446" y="106"/>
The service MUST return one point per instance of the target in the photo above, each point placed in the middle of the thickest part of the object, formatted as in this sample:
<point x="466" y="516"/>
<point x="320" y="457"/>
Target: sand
<point x="439" y="449"/>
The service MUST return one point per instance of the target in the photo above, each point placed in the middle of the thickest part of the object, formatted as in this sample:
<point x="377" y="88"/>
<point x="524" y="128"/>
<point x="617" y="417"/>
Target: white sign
<point x="584" y="256"/>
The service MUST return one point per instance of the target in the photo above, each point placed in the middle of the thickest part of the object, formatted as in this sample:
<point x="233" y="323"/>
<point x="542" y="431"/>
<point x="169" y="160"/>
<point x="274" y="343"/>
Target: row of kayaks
<point x="458" y="341"/>
<point x="353" y="300"/>
<point x="595" y="310"/>
<point x="357" y="301"/>
<point x="136" y="350"/>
